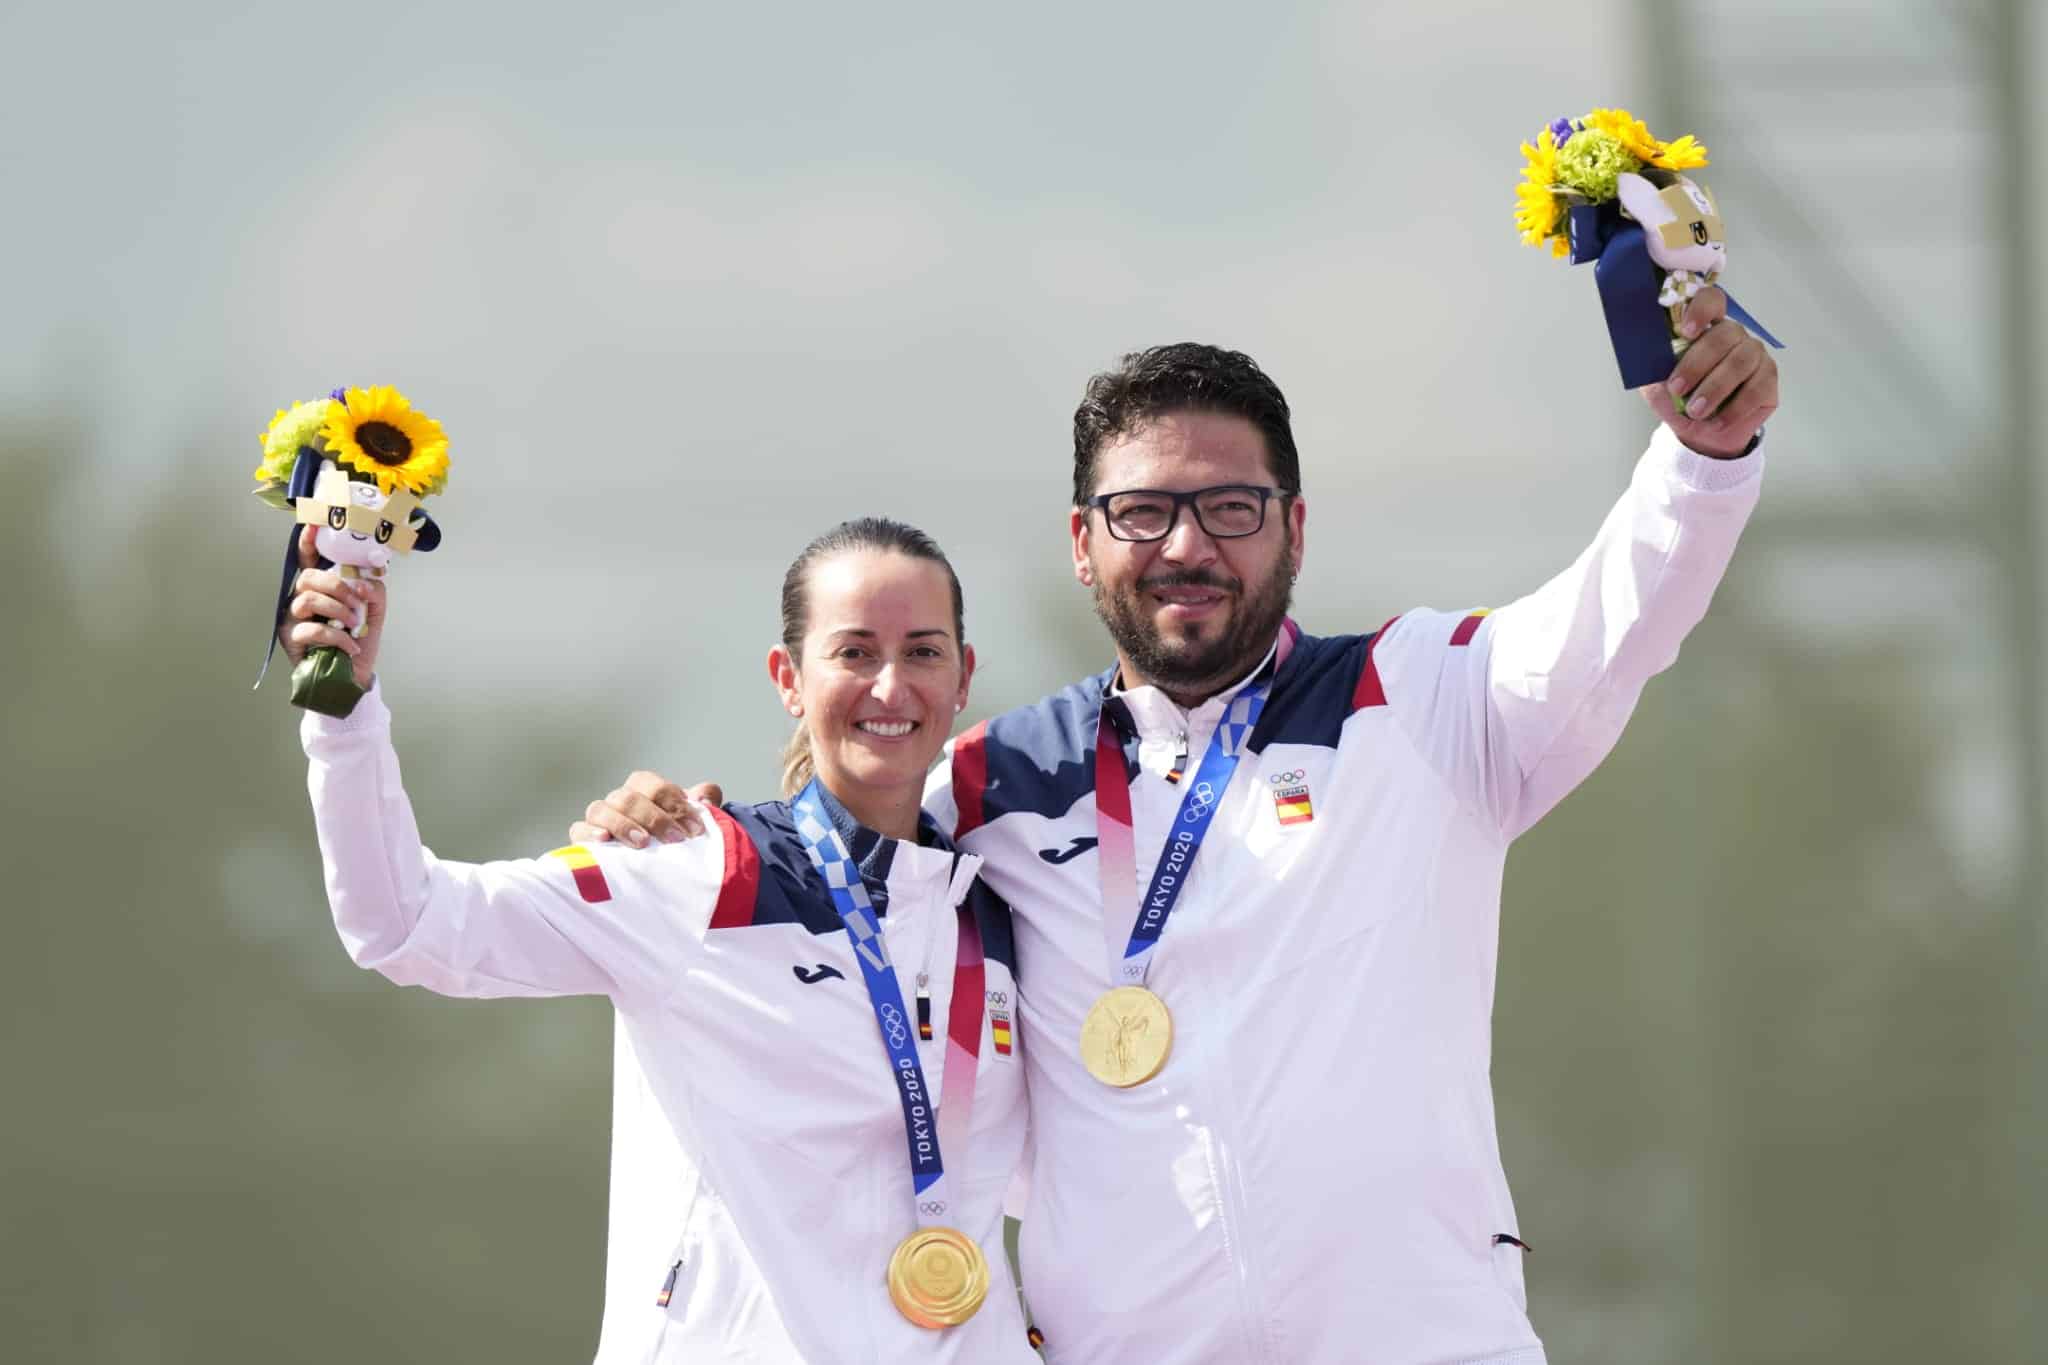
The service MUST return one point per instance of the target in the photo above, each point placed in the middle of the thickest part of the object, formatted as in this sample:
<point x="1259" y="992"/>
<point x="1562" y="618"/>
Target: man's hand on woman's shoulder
<point x="647" y="809"/>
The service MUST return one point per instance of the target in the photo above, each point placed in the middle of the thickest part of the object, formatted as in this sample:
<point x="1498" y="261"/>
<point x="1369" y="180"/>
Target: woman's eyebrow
<point x="864" y="633"/>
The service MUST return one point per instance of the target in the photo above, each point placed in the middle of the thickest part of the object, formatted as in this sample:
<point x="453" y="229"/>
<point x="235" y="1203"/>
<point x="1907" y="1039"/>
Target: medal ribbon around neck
<point x="1116" y="843"/>
<point x="1127" y="1033"/>
<point x="929" y="1134"/>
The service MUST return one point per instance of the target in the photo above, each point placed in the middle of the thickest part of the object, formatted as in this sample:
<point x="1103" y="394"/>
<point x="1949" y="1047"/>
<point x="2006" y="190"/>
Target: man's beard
<point x="1196" y="666"/>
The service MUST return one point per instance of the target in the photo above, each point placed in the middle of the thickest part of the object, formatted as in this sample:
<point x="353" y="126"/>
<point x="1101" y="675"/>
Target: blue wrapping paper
<point x="1629" y="281"/>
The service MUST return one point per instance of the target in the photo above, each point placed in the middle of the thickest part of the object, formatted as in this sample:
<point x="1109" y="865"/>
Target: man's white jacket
<point x="1314" y="1176"/>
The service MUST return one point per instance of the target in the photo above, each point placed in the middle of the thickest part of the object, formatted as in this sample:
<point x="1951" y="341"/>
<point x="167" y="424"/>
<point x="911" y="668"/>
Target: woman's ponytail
<point x="797" y="768"/>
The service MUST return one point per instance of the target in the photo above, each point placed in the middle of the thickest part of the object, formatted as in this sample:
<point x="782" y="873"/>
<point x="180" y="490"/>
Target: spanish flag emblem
<point x="1469" y="627"/>
<point x="1290" y="797"/>
<point x="999" y="1030"/>
<point x="590" y="883"/>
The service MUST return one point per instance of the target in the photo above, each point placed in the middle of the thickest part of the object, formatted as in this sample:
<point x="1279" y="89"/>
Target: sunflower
<point x="378" y="432"/>
<point x="1536" y="211"/>
<point x="1683" y="155"/>
<point x="1625" y="128"/>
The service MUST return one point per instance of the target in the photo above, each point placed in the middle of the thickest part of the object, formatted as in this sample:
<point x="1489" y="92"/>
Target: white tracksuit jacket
<point x="1314" y="1176"/>
<point x="763" y="1175"/>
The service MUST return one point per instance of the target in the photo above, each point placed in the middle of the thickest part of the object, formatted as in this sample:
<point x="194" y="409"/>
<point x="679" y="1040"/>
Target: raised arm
<point x="578" y="921"/>
<point x="1516" y="707"/>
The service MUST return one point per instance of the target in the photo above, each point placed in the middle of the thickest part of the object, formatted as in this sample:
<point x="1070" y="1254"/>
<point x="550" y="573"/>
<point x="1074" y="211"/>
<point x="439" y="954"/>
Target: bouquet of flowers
<point x="1602" y="188"/>
<point x="355" y="465"/>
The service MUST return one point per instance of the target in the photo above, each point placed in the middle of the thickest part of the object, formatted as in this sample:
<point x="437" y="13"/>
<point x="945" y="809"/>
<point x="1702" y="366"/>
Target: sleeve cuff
<point x="1705" y="473"/>
<point x="370" y="715"/>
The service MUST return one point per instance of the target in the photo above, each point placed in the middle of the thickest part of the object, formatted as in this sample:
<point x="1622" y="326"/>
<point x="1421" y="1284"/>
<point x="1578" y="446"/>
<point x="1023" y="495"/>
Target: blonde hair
<point x="862" y="533"/>
<point x="797" y="767"/>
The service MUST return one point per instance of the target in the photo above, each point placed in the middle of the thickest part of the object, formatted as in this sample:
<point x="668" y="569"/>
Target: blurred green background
<point x="687" y="284"/>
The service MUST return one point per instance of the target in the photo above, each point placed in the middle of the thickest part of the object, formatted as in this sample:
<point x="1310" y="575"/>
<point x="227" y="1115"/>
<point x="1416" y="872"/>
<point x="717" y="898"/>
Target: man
<point x="1276" y="1143"/>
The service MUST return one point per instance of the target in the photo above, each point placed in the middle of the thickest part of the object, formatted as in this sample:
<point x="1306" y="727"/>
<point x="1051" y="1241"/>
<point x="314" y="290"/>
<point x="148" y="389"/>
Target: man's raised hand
<point x="1726" y="381"/>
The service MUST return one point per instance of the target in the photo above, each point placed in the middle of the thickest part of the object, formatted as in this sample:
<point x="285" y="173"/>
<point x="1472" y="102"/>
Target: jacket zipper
<point x="661" y="1301"/>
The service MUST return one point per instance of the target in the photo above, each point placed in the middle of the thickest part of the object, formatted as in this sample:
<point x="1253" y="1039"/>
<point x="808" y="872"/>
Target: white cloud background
<point x="688" y="283"/>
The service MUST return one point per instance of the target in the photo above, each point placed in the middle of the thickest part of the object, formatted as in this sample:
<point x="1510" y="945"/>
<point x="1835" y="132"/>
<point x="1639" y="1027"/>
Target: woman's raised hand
<point x="321" y="597"/>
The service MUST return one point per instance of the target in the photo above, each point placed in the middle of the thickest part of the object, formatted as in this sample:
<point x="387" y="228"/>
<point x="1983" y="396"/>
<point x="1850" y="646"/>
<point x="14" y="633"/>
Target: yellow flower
<point x="378" y="432"/>
<point x="298" y="425"/>
<point x="1625" y="128"/>
<point x="1683" y="155"/>
<point x="1535" y="213"/>
<point x="1631" y="132"/>
<point x="1535" y="200"/>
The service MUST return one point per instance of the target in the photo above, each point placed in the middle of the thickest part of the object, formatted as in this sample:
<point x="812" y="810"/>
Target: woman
<point x="806" y="990"/>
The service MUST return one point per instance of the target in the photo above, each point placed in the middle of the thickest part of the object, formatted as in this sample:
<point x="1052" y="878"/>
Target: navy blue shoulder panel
<point x="1313" y="692"/>
<point x="791" y="891"/>
<point x="1041" y="757"/>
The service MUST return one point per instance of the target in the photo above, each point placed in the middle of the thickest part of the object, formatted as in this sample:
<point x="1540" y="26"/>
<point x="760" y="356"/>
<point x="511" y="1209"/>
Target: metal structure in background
<point x="2007" y="45"/>
<point x="1969" y="62"/>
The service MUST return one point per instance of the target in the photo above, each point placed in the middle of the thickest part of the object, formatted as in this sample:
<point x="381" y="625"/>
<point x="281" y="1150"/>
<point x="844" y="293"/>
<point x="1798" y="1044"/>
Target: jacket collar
<point x="878" y="856"/>
<point x="1146" y="710"/>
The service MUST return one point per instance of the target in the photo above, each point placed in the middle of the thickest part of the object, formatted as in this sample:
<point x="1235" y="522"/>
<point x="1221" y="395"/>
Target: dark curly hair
<point x="1183" y="377"/>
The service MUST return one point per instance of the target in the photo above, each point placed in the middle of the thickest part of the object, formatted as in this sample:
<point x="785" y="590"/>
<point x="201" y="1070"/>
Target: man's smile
<point x="1186" y="601"/>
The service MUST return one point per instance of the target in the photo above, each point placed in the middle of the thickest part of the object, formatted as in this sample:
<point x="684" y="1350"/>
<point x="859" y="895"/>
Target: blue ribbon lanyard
<point x="920" y="1116"/>
<point x="1190" y="827"/>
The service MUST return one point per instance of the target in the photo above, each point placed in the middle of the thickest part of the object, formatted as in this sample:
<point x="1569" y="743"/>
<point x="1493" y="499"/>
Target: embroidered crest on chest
<point x="1291" y="796"/>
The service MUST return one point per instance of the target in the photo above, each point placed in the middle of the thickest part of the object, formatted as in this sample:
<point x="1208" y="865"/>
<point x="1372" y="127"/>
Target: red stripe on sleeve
<point x="590" y="883"/>
<point x="1369" y="692"/>
<point x="742" y="883"/>
<point x="970" y="777"/>
<point x="1467" y="628"/>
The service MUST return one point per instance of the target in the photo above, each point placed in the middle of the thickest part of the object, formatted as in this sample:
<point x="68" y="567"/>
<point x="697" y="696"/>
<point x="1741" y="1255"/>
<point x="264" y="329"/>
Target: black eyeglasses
<point x="1225" y="512"/>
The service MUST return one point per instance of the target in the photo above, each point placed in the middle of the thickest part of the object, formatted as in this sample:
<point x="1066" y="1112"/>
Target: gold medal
<point x="938" y="1277"/>
<point x="1126" y="1036"/>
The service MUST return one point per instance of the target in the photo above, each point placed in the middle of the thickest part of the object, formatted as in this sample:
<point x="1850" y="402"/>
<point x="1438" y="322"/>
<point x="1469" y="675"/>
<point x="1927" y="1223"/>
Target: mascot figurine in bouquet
<point x="1602" y="189"/>
<point x="354" y="465"/>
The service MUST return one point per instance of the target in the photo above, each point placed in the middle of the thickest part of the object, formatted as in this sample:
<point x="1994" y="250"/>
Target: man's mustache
<point x="1189" y="580"/>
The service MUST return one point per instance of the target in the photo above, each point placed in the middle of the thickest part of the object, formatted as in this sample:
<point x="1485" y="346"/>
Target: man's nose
<point x="1185" y="541"/>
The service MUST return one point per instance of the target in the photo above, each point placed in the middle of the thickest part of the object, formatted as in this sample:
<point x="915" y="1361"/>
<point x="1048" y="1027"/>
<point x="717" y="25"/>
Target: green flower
<point x="298" y="425"/>
<point x="1592" y="161"/>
